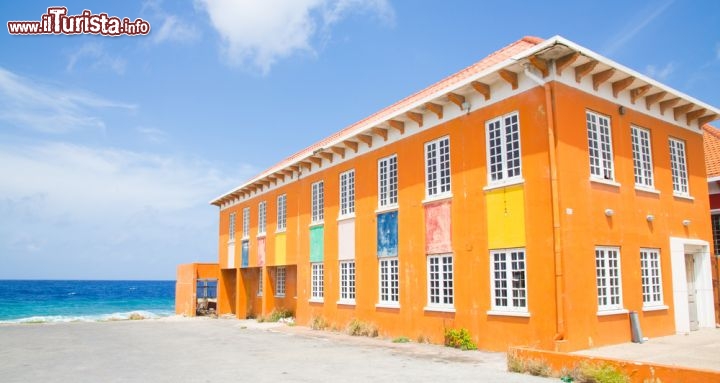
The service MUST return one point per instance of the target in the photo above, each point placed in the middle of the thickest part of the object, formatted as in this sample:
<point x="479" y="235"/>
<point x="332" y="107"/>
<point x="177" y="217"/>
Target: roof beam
<point x="680" y="110"/>
<point x="694" y="115"/>
<point x="653" y="98"/>
<point x="306" y="165"/>
<point x="417" y="117"/>
<point x="600" y="77"/>
<point x="638" y="92"/>
<point x="280" y="176"/>
<point x="565" y="61"/>
<point x="435" y="108"/>
<point x="707" y="119"/>
<point x="289" y="173"/>
<point x="316" y="160"/>
<point x="509" y="76"/>
<point x="540" y="64"/>
<point x="352" y="145"/>
<point x="456" y="99"/>
<point x="366" y="139"/>
<point x="339" y="151"/>
<point x="327" y="156"/>
<point x="380" y="132"/>
<point x="400" y="126"/>
<point x="668" y="104"/>
<point x="584" y="69"/>
<point x="619" y="86"/>
<point x="481" y="88"/>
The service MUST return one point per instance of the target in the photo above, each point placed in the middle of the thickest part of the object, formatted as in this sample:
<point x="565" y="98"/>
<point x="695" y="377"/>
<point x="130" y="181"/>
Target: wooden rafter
<point x="540" y="64"/>
<point x="456" y="99"/>
<point x="366" y="139"/>
<point x="339" y="151"/>
<point x="380" y="132"/>
<point x="638" y="92"/>
<point x="680" y="110"/>
<point x="417" y="117"/>
<point x="707" y="119"/>
<point x="399" y="125"/>
<point x="435" y="108"/>
<point x="600" y="77"/>
<point x="694" y="114"/>
<point x="619" y="86"/>
<point x="289" y="173"/>
<point x="316" y="160"/>
<point x="265" y="183"/>
<point x="509" y="76"/>
<point x="653" y="98"/>
<point x="327" y="156"/>
<point x="668" y="104"/>
<point x="481" y="88"/>
<point x="306" y="165"/>
<point x="584" y="69"/>
<point x="352" y="145"/>
<point x="565" y="61"/>
<point x="279" y="176"/>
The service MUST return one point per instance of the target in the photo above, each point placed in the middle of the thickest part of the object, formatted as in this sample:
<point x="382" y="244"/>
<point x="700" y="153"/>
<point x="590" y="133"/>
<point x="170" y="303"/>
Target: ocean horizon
<point x="40" y="301"/>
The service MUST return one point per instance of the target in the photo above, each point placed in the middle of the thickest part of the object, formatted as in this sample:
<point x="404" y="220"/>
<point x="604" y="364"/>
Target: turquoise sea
<point x="67" y="301"/>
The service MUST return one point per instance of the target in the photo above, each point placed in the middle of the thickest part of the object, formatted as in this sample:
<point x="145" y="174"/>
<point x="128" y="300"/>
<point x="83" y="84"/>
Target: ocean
<point x="25" y="301"/>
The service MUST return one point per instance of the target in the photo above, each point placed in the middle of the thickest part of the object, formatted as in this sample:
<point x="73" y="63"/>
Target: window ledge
<point x="647" y="190"/>
<point x="503" y="184"/>
<point x="259" y="294"/>
<point x="280" y="296"/>
<point x="684" y="196"/>
<point x="246" y="238"/>
<point x="387" y="305"/>
<point x="316" y="300"/>
<point x="318" y="223"/>
<point x="386" y="209"/>
<point x="436" y="198"/>
<point x="656" y="308"/>
<point x="261" y="235"/>
<point x="346" y="217"/>
<point x="442" y="309"/>
<point x="521" y="314"/>
<point x="231" y="242"/>
<point x="345" y="303"/>
<point x="612" y="312"/>
<point x="605" y="182"/>
<point x="281" y="231"/>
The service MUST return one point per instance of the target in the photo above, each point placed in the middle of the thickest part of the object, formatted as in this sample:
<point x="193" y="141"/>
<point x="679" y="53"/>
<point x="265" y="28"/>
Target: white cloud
<point x="98" y="57"/>
<point x="259" y="33"/>
<point x="153" y="135"/>
<point x="660" y="74"/>
<point x="49" y="108"/>
<point x="171" y="28"/>
<point x="635" y="26"/>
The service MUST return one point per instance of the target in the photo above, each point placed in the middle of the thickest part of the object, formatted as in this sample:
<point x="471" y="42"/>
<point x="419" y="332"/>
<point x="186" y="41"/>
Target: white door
<point x="692" y="293"/>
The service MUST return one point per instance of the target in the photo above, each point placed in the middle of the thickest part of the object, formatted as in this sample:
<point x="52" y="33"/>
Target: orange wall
<point x="186" y="284"/>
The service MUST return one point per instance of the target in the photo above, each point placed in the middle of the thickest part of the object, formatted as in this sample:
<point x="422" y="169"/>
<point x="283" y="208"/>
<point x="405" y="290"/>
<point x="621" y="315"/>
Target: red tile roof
<point x="711" y="142"/>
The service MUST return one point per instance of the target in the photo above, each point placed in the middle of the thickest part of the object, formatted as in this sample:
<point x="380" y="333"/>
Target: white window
<point x="281" y="212"/>
<point x="437" y="167"/>
<point x="715" y="220"/>
<point x="318" y="208"/>
<point x="651" y="277"/>
<point x="607" y="272"/>
<point x="600" y="147"/>
<point x="231" y="227"/>
<point x="503" y="149"/>
<point x="389" y="283"/>
<point x="642" y="157"/>
<point x="246" y="222"/>
<point x="260" y="283"/>
<point x="262" y="210"/>
<point x="317" y="281"/>
<point x="347" y="281"/>
<point x="678" y="167"/>
<point x="440" y="280"/>
<point x="509" y="288"/>
<point x="280" y="282"/>
<point x="388" y="181"/>
<point x="347" y="193"/>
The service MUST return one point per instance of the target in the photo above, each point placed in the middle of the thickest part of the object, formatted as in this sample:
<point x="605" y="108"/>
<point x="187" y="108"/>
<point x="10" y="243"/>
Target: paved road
<point x="206" y="350"/>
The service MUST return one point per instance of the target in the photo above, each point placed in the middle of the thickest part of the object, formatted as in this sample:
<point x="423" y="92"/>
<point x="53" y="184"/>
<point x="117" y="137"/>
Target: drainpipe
<point x="557" y="243"/>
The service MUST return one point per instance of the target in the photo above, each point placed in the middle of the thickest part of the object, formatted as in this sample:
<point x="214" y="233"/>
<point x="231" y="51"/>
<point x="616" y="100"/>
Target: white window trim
<point x="505" y="180"/>
<point x="319" y="294"/>
<point x="260" y="284"/>
<point x="684" y="169"/>
<point x="610" y="309"/>
<point x="643" y="184"/>
<point x="508" y="310"/>
<point x="439" y="306"/>
<point x="277" y="282"/>
<point x="385" y="204"/>
<point x="438" y="172"/>
<point x="281" y="214"/>
<point x="596" y="129"/>
<point x="246" y="223"/>
<point x="347" y="301"/>
<point x="350" y="195"/>
<point x="262" y="218"/>
<point x="317" y="203"/>
<point x="231" y="228"/>
<point x="388" y="303"/>
<point x="651" y="252"/>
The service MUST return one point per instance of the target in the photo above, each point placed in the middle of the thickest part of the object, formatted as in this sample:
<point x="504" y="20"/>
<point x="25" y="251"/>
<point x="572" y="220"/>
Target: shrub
<point x="358" y="328"/>
<point x="276" y="315"/>
<point x="318" y="323"/>
<point x="459" y="338"/>
<point x="401" y="339"/>
<point x="600" y="373"/>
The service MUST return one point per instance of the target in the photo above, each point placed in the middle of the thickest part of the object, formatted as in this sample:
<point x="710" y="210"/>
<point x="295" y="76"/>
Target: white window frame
<point x="600" y="147"/>
<point x="678" y="167"/>
<point x="503" y="286"/>
<point x="347" y="193"/>
<point x="347" y="281"/>
<point x="246" y="223"/>
<point x="318" y="203"/>
<point x="440" y="281"/>
<point x="437" y="168"/>
<point x="262" y="217"/>
<point x="608" y="278"/>
<point x="499" y="133"/>
<point x="231" y="228"/>
<point x="260" y="283"/>
<point x="642" y="157"/>
<point x="281" y="222"/>
<point x="651" y="277"/>
<point x="280" y="277"/>
<point x="389" y="282"/>
<point x="317" y="290"/>
<point x="388" y="182"/>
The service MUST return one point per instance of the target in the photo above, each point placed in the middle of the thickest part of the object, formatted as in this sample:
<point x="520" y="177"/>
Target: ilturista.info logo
<point x="57" y="22"/>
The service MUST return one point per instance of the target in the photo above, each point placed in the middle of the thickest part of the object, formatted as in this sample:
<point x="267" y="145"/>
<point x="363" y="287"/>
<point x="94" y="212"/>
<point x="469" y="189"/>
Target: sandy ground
<point x="211" y="350"/>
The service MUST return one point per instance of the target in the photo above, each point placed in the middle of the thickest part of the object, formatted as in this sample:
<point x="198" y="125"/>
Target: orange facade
<point x="552" y="220"/>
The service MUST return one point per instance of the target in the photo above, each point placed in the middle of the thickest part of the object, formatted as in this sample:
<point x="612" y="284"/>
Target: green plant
<point x="401" y="339"/>
<point x="515" y="363"/>
<point x="275" y="315"/>
<point x="536" y="367"/>
<point x="459" y="338"/>
<point x="318" y="323"/>
<point x="600" y="373"/>
<point x="359" y="328"/>
<point x="422" y="339"/>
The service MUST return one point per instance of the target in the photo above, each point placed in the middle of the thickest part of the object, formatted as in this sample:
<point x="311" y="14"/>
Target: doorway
<point x="691" y="292"/>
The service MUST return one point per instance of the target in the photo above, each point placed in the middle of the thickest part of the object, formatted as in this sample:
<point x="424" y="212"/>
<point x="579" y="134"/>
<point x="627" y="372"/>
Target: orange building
<point x="537" y="197"/>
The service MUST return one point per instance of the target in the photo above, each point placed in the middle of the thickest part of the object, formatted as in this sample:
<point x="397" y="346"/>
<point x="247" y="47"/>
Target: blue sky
<point x="111" y="147"/>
